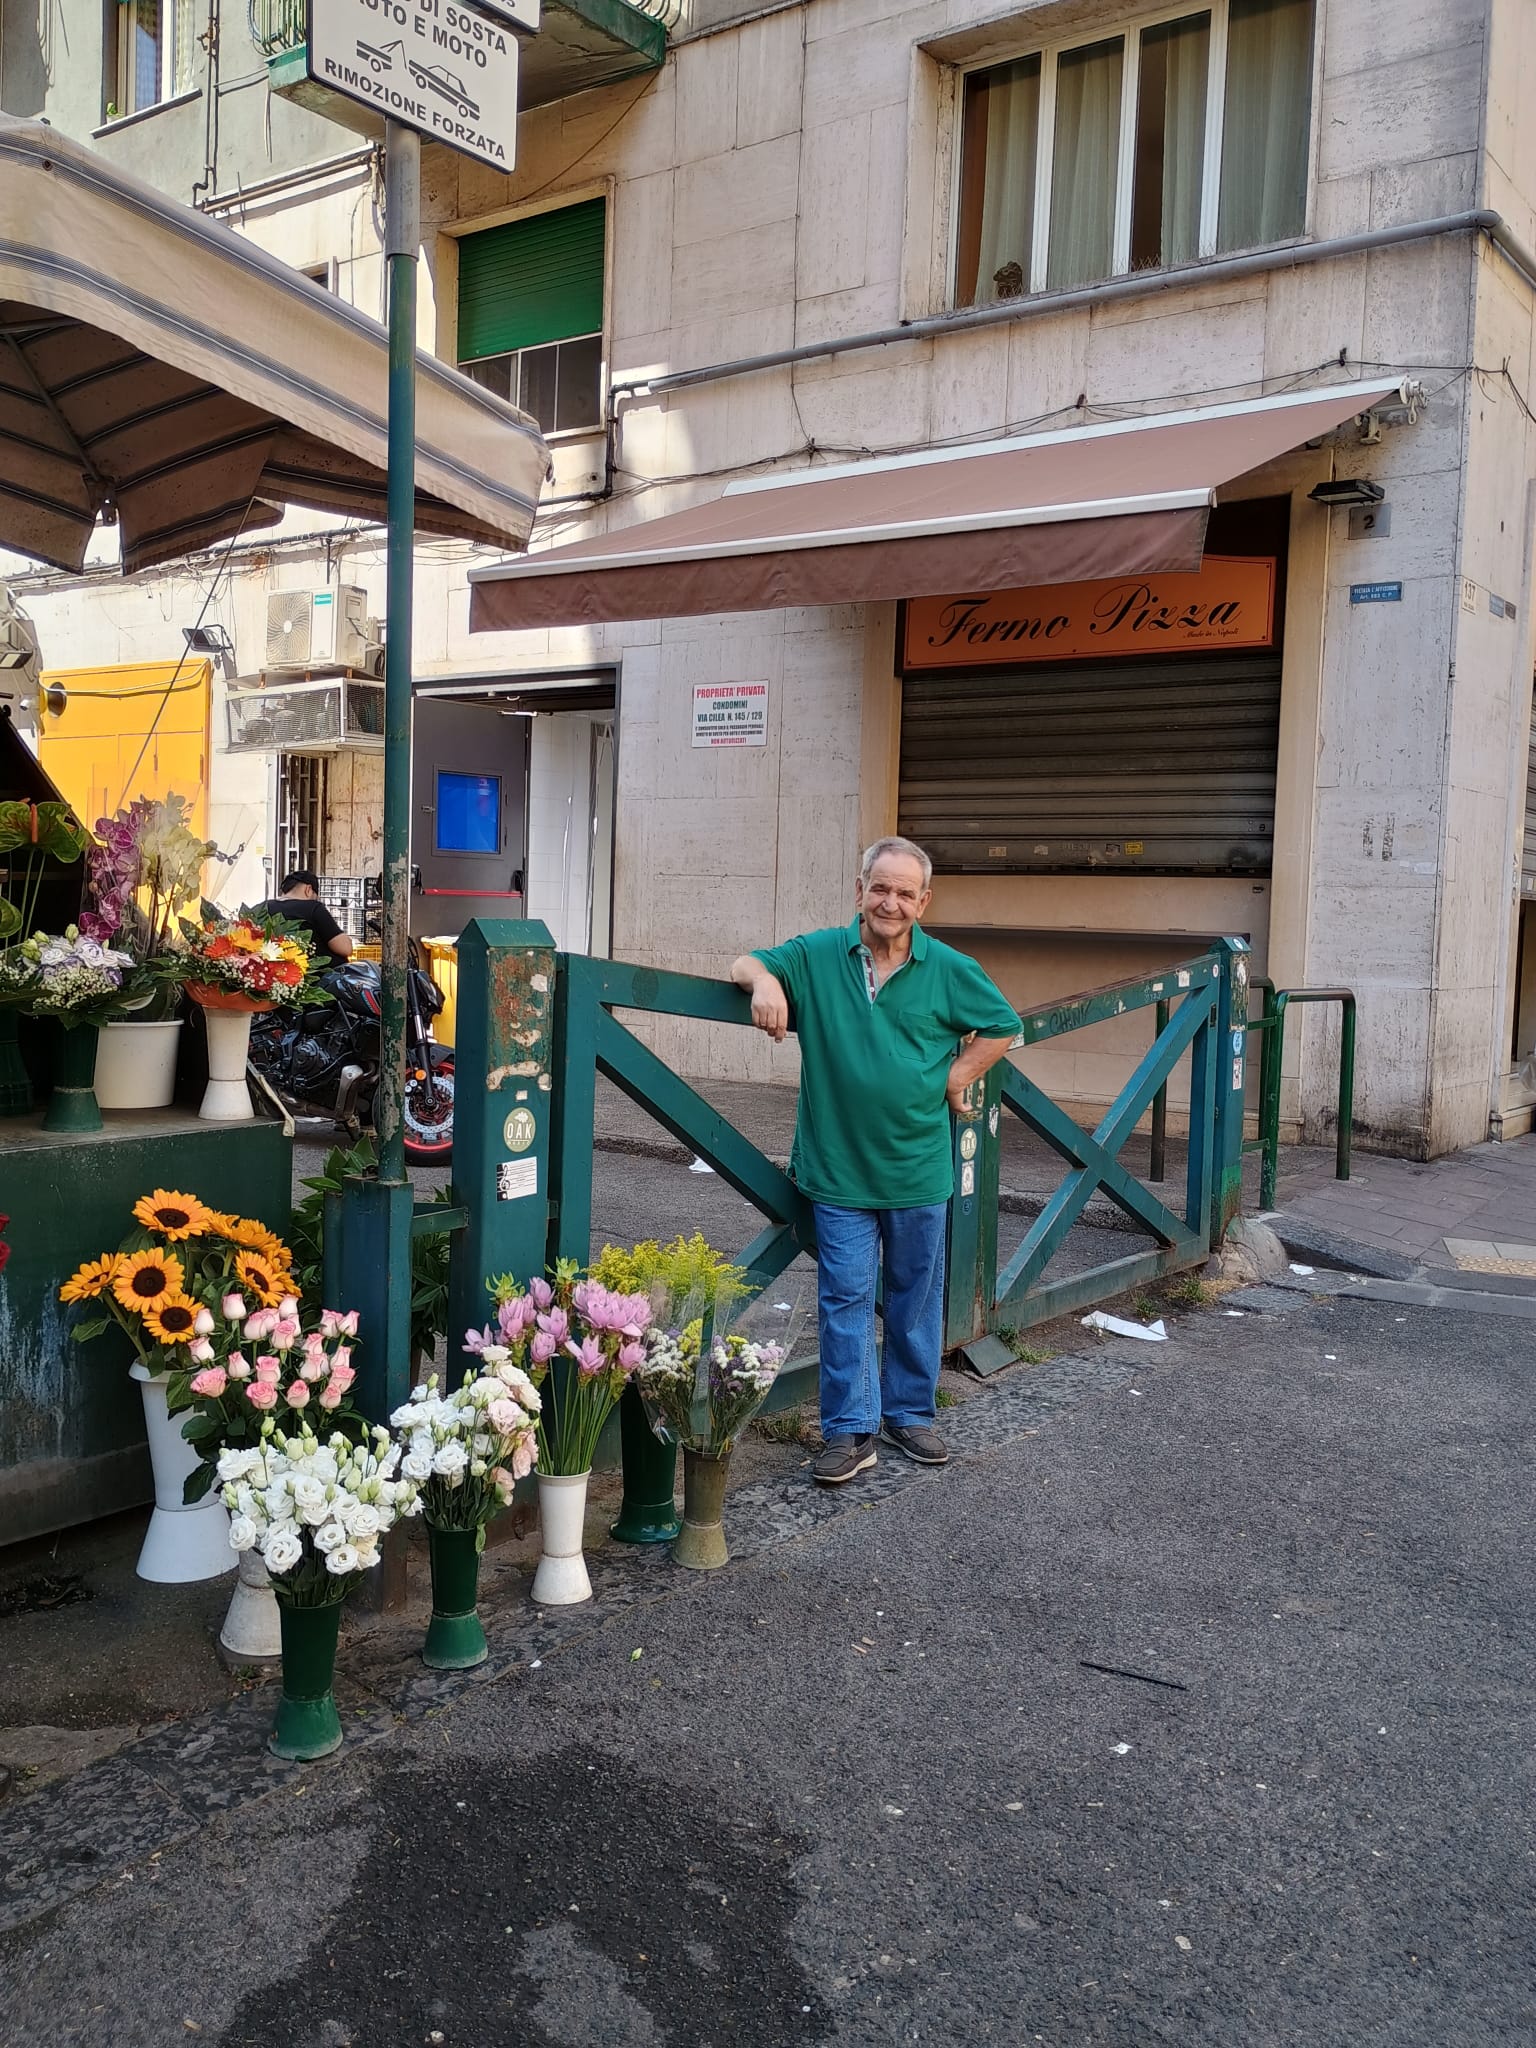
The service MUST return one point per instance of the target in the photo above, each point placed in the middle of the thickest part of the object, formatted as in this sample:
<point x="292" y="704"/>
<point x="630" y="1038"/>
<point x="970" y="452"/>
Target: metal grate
<point x="356" y="903"/>
<point x="302" y="788"/>
<point x="276" y="25"/>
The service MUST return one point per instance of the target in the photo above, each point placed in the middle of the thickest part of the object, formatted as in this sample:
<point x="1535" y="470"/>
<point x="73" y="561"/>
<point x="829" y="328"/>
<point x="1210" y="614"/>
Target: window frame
<point x="459" y="231"/>
<point x="1129" y="30"/>
<point x="123" y="73"/>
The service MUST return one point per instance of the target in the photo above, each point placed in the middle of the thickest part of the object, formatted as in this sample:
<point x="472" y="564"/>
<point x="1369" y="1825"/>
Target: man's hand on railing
<point x="770" y="1005"/>
<point x="975" y="1058"/>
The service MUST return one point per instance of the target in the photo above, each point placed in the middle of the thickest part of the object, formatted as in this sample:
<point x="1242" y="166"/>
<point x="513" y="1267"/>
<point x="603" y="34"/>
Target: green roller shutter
<point x="531" y="281"/>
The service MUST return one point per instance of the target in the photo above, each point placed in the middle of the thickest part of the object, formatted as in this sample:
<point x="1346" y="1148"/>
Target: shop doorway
<point x="469" y="814"/>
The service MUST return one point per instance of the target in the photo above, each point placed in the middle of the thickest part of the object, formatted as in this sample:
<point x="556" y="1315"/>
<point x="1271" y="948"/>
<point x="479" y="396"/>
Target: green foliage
<point x="36" y="831"/>
<point x="429" y="1254"/>
<point x="1025" y="1354"/>
<point x="1189" y="1291"/>
<point x="944" y="1398"/>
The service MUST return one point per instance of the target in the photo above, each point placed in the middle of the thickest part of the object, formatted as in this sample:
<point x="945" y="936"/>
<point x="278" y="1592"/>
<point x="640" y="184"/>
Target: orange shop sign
<point x="1228" y="603"/>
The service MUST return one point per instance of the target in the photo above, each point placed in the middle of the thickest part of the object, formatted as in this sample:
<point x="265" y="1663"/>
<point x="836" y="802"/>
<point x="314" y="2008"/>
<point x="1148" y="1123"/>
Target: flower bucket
<point x="136" y="1064"/>
<point x="227" y="1014"/>
<point x="648" y="1511"/>
<point x="15" y="1083"/>
<point x="455" y="1639"/>
<point x="307" y="1723"/>
<point x="182" y="1544"/>
<point x="561" y="1579"/>
<point x="252" y="1631"/>
<point x="73" y="1105"/>
<point x="701" y="1545"/>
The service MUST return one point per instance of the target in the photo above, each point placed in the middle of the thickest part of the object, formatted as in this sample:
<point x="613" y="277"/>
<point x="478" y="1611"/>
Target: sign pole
<point x="402" y="235"/>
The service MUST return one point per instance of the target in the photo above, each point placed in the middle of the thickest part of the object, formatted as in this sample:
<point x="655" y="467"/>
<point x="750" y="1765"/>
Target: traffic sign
<point x="447" y="68"/>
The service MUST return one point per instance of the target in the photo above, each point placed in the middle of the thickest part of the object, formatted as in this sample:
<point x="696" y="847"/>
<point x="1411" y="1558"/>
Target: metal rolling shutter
<point x="1144" y="766"/>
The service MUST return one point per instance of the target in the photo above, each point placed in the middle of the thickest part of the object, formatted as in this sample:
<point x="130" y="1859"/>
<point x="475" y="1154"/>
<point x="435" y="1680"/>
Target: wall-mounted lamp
<point x="207" y="640"/>
<point x="1346" y="490"/>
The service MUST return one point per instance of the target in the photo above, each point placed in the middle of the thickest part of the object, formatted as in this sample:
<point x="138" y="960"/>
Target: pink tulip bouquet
<point x="579" y="1343"/>
<point x="250" y="1364"/>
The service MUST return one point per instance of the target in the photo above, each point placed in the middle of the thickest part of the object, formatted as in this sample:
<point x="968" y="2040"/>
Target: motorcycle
<point x="324" y="1060"/>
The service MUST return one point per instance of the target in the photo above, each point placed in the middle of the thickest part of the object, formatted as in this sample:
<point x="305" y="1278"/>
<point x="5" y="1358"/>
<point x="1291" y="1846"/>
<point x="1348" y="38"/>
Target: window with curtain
<point x="153" y="47"/>
<point x="1185" y="136"/>
<point x="531" y="314"/>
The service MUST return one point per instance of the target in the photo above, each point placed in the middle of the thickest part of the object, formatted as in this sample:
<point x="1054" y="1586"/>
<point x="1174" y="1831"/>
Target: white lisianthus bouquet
<point x="705" y="1405"/>
<point x="315" y="1511"/>
<point x="465" y="1451"/>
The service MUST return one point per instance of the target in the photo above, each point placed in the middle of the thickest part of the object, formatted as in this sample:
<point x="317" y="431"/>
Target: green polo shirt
<point x="872" y="1131"/>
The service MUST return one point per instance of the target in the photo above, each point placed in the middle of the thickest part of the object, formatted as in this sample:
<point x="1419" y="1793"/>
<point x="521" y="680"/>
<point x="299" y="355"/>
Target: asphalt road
<point x="864" y="1787"/>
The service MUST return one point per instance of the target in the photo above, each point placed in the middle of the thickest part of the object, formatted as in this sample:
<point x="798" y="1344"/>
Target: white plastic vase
<point x="561" y="1579"/>
<point x="227" y="1099"/>
<point x="252" y="1631"/>
<point x="136" y="1064"/>
<point x="181" y="1544"/>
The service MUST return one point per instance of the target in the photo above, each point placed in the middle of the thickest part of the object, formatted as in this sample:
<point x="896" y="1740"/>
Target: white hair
<point x="907" y="848"/>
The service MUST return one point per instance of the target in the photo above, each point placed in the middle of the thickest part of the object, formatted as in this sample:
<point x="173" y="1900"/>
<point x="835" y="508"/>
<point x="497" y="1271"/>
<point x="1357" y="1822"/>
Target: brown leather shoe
<point x="922" y="1445"/>
<point x="843" y="1458"/>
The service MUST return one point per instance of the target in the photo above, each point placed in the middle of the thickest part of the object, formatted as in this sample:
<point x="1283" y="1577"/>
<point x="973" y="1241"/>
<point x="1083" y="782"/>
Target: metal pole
<point x="1346" y="1088"/>
<point x="402" y="236"/>
<point x="1156" y="1166"/>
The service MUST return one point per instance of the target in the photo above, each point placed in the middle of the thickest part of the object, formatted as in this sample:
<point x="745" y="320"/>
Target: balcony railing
<point x="276" y="25"/>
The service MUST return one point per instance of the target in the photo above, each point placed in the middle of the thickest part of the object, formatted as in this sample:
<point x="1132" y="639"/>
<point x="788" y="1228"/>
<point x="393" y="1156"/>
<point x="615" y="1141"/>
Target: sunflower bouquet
<point x="166" y="1282"/>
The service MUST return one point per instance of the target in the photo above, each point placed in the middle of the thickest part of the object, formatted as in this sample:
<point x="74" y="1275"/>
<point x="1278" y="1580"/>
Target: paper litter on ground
<point x="1303" y="1272"/>
<point x="701" y="1166"/>
<point x="1117" y="1326"/>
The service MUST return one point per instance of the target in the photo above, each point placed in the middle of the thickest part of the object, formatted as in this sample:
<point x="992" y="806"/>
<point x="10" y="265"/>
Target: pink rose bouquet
<point x="250" y="1365"/>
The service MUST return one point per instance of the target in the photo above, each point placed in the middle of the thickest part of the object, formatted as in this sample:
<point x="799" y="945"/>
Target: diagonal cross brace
<point x="1097" y="1165"/>
<point x="648" y="1081"/>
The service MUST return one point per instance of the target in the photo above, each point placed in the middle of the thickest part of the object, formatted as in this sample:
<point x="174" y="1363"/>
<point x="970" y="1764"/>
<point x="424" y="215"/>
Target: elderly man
<point x="894" y="1026"/>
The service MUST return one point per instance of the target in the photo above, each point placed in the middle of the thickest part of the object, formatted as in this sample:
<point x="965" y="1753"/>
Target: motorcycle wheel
<point x="429" y="1125"/>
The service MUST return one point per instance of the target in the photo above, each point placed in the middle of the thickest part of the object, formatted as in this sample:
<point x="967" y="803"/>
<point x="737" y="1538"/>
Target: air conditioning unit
<point x="307" y="718"/>
<point x="318" y="628"/>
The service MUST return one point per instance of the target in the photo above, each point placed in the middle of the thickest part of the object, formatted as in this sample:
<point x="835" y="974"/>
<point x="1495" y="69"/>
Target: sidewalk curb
<point x="1307" y="1241"/>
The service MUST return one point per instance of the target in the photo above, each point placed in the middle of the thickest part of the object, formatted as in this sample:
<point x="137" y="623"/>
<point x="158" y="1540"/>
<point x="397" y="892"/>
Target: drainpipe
<point x="1218" y="270"/>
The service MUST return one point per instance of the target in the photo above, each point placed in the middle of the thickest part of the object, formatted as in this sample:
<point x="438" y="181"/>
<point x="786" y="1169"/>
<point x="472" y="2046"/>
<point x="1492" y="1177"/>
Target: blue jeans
<point x="856" y="1390"/>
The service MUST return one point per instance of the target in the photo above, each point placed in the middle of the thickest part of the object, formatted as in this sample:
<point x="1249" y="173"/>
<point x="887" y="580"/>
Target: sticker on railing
<point x="1237" y="1073"/>
<point x="968" y="1143"/>
<point x="968" y="1178"/>
<point x="516" y="1178"/>
<point x="519" y="1130"/>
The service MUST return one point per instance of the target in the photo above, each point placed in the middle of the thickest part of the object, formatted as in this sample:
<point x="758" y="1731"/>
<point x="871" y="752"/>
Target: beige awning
<point x="158" y="367"/>
<point x="1126" y="498"/>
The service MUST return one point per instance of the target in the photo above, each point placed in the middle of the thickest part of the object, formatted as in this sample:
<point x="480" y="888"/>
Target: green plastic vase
<point x="455" y="1639"/>
<point x="15" y="1083"/>
<point x="307" y="1723"/>
<point x="73" y="1106"/>
<point x="648" y="1511"/>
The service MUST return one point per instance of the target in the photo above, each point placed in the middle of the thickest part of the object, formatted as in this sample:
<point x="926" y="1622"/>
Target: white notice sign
<point x="446" y="67"/>
<point x="730" y="715"/>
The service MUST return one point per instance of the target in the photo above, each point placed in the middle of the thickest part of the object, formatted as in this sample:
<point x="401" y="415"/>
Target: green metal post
<point x="1231" y="1074"/>
<point x="1157" y="1162"/>
<point x="1271" y="1056"/>
<point x="503" y="1091"/>
<point x="970" y="1277"/>
<point x="1346" y="1088"/>
<point x="402" y="233"/>
<point x="368" y="1227"/>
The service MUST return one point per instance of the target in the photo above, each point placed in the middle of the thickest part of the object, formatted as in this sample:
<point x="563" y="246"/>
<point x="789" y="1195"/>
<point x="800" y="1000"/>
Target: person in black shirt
<point x="300" y="904"/>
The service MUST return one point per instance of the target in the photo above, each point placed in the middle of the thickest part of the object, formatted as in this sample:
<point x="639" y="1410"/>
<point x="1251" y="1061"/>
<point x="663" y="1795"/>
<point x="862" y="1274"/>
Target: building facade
<point x="853" y="231"/>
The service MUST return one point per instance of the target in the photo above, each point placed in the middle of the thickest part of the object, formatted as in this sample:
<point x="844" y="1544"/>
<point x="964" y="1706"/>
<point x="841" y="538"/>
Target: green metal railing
<point x="1195" y="1006"/>
<point x="1270" y="1023"/>
<point x="535" y="1030"/>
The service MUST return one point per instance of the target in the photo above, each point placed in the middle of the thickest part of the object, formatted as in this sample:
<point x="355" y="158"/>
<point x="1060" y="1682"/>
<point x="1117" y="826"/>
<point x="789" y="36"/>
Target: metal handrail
<point x="1271" y="1024"/>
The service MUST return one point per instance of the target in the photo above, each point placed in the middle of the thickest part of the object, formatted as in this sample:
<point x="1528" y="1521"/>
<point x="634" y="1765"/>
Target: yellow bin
<point x="443" y="966"/>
